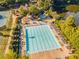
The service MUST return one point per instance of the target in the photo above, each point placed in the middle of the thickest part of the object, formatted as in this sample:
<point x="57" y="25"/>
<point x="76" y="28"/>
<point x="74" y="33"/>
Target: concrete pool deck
<point x="53" y="54"/>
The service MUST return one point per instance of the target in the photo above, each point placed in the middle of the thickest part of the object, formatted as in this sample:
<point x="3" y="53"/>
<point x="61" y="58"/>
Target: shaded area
<point x="1" y="17"/>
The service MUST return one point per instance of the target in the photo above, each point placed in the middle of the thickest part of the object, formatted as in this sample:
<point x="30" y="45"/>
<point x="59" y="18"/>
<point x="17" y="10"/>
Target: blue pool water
<point x="40" y="38"/>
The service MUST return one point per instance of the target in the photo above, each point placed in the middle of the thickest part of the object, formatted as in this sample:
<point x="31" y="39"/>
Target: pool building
<point x="40" y="39"/>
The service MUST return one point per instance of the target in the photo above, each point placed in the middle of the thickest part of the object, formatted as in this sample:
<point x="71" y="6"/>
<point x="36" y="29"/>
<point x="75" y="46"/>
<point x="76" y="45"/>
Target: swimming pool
<point x="3" y="17"/>
<point x="39" y="39"/>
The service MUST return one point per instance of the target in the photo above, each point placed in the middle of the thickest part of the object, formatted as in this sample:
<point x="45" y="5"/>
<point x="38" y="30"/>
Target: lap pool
<point x="40" y="38"/>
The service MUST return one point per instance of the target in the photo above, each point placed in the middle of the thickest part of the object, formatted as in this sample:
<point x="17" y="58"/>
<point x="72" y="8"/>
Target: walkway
<point x="9" y="40"/>
<point x="60" y="38"/>
<point x="23" y="40"/>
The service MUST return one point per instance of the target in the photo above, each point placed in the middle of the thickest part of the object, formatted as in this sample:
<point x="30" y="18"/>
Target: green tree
<point x="69" y="20"/>
<point x="9" y="1"/>
<point x="23" y="10"/>
<point x="10" y="55"/>
<point x="72" y="8"/>
<point x="72" y="57"/>
<point x="43" y="4"/>
<point x="33" y="9"/>
<point x="13" y="1"/>
<point x="22" y="1"/>
<point x="71" y="33"/>
<point x="49" y="12"/>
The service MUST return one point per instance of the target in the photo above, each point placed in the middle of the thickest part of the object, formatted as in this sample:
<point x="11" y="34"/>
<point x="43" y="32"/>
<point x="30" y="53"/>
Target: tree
<point x="9" y="1"/>
<point x="43" y="4"/>
<point x="59" y="5"/>
<point x="69" y="20"/>
<point x="72" y="1"/>
<point x="24" y="57"/>
<point x="22" y="1"/>
<point x="22" y="10"/>
<point x="72" y="8"/>
<point x="13" y="1"/>
<point x="33" y="9"/>
<point x="72" y="35"/>
<point x="49" y="12"/>
<point x="72" y="57"/>
<point x="11" y="55"/>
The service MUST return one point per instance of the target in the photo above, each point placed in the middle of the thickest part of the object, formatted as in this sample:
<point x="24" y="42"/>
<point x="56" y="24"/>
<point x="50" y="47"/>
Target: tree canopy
<point x="22" y="10"/>
<point x="13" y="1"/>
<point x="72" y="8"/>
<point x="43" y="4"/>
<point x="71" y="32"/>
<point x="33" y="9"/>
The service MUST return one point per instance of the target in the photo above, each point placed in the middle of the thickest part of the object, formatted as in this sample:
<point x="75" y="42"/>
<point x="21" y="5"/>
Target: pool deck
<point x="52" y="54"/>
<point x="48" y="55"/>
